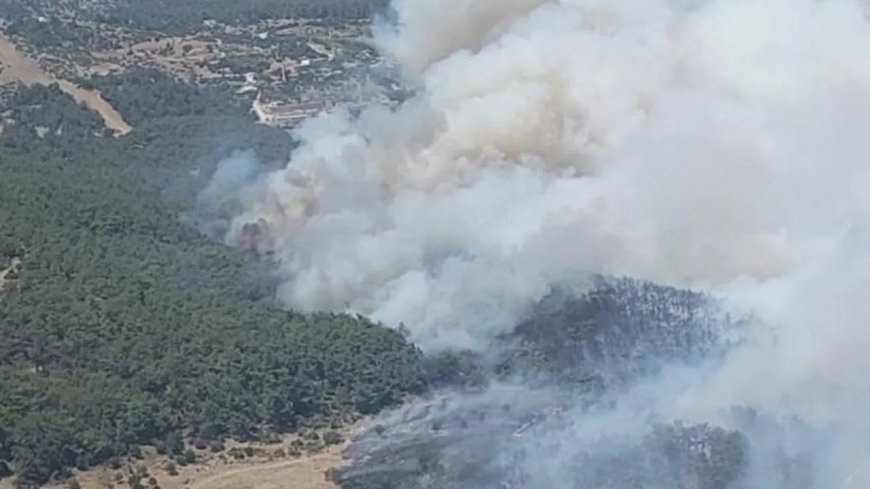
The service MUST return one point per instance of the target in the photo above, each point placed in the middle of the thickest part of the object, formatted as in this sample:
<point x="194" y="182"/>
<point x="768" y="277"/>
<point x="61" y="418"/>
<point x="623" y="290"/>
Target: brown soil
<point x="221" y="471"/>
<point x="304" y="472"/>
<point x="307" y="472"/>
<point x="19" y="68"/>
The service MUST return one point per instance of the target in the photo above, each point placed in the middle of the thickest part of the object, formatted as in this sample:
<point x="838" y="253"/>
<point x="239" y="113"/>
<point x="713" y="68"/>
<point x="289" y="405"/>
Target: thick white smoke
<point x="719" y="144"/>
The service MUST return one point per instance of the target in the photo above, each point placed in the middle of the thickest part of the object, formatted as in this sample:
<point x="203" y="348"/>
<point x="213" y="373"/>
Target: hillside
<point x="567" y="391"/>
<point x="291" y="54"/>
<point x="18" y="68"/>
<point x="433" y="244"/>
<point x="134" y="328"/>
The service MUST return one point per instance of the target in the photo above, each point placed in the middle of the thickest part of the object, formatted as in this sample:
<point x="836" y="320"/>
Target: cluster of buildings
<point x="285" y="115"/>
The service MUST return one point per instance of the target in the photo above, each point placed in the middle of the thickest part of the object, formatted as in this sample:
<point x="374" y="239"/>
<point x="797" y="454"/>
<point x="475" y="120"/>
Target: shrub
<point x="332" y="438"/>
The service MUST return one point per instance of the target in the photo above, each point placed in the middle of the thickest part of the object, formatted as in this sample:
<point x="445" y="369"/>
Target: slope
<point x="20" y="68"/>
<point x="125" y="326"/>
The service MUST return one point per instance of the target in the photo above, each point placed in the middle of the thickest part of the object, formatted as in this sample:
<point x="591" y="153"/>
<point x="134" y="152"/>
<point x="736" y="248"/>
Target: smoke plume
<point x="219" y="200"/>
<point x="715" y="144"/>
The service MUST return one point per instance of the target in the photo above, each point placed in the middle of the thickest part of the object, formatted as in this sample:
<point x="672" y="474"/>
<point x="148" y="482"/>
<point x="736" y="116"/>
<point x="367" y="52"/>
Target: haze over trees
<point x="122" y="324"/>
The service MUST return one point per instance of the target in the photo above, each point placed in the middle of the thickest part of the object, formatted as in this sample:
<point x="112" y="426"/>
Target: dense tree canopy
<point x="123" y="325"/>
<point x="171" y="15"/>
<point x="146" y="94"/>
<point x="167" y="16"/>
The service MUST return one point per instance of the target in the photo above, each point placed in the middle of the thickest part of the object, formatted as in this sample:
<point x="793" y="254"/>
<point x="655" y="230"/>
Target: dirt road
<point x="304" y="473"/>
<point x="19" y="68"/>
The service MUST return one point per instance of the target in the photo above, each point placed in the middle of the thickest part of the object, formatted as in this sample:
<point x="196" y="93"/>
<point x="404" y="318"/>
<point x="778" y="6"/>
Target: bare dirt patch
<point x="19" y="68"/>
<point x="307" y="472"/>
<point x="263" y="470"/>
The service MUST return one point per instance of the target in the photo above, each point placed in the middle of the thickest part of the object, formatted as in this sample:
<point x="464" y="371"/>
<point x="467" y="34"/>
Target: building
<point x="285" y="115"/>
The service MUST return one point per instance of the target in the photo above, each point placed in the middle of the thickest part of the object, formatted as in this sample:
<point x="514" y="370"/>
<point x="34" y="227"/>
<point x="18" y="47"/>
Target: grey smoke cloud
<point x="219" y="201"/>
<point x="715" y="144"/>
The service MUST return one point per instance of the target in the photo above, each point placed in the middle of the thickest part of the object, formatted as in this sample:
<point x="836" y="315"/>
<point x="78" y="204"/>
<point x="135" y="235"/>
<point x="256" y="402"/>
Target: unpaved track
<point x="304" y="473"/>
<point x="19" y="68"/>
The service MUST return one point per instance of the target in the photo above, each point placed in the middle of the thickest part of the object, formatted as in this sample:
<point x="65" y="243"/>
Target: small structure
<point x="285" y="115"/>
<point x="250" y="84"/>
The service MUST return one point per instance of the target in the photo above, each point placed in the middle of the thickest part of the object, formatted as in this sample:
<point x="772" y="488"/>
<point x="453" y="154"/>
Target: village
<point x="285" y="69"/>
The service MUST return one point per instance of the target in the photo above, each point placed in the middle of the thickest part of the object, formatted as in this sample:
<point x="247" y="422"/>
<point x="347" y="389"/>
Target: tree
<point x="174" y="444"/>
<point x="127" y="325"/>
<point x="332" y="438"/>
<point x="189" y="456"/>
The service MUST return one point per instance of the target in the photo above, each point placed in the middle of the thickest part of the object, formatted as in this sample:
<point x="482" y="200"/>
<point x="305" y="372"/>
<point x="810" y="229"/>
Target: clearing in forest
<point x="17" y="67"/>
